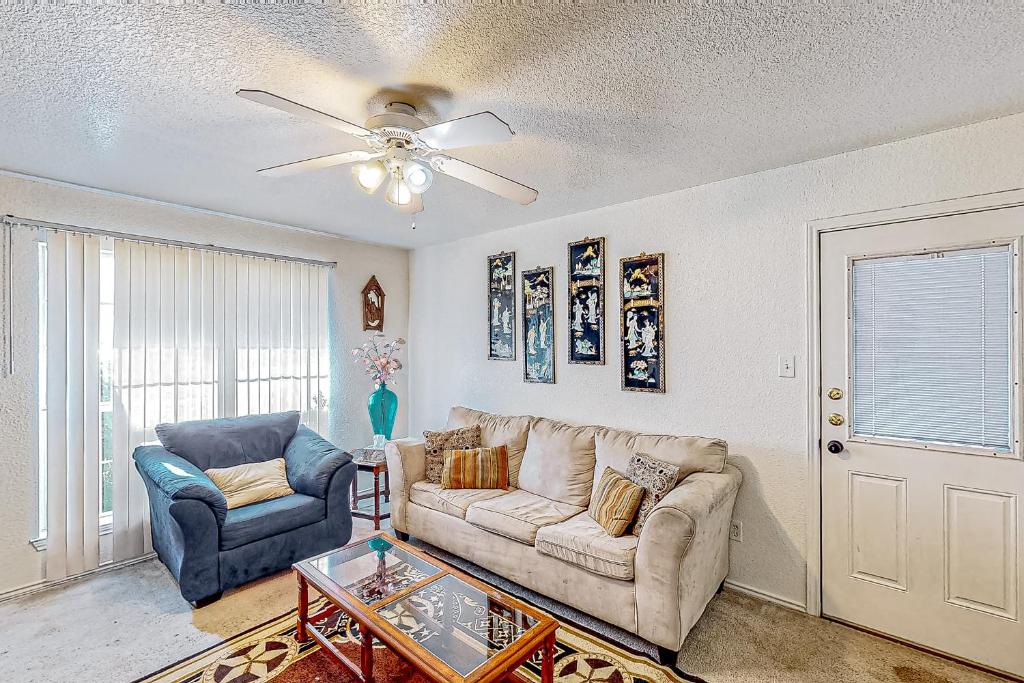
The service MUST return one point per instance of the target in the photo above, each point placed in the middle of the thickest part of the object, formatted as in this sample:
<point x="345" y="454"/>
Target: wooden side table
<point x="371" y="460"/>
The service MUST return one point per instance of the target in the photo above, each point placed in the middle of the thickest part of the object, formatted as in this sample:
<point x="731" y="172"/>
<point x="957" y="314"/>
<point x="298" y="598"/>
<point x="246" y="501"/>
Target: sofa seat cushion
<point x="583" y="542"/>
<point x="519" y="515"/>
<point x="270" y="517"/>
<point x="452" y="502"/>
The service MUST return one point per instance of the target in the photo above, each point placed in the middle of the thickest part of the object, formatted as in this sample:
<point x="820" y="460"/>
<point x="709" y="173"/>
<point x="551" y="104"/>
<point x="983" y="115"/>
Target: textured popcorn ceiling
<point x="610" y="102"/>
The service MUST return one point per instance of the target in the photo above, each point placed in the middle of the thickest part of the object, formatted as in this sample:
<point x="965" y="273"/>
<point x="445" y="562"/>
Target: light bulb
<point x="418" y="177"/>
<point x="369" y="176"/>
<point x="398" y="193"/>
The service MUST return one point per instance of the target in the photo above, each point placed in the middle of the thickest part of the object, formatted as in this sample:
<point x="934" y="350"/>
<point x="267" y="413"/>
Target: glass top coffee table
<point x="447" y="625"/>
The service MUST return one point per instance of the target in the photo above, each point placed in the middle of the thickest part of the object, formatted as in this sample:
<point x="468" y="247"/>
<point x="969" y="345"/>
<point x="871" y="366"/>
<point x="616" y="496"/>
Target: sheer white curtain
<point x="194" y="334"/>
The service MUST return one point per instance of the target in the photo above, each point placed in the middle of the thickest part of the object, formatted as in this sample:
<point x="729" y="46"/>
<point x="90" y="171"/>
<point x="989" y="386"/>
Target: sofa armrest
<point x="683" y="555"/>
<point x="179" y="479"/>
<point x="311" y="461"/>
<point x="407" y="464"/>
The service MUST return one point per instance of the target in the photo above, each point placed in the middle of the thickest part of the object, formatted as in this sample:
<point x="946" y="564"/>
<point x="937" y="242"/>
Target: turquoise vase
<point x="383" y="406"/>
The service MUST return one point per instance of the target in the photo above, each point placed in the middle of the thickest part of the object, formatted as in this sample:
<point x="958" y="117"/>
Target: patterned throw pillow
<point x="475" y="468"/>
<point x="615" y="502"/>
<point x="439" y="442"/>
<point x="657" y="477"/>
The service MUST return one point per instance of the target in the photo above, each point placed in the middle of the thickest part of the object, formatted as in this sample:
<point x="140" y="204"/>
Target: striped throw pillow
<point x="475" y="468"/>
<point x="615" y="502"/>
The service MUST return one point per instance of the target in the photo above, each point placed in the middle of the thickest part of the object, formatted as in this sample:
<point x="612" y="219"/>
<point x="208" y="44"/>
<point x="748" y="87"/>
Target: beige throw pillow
<point x="656" y="477"/>
<point x="251" y="482"/>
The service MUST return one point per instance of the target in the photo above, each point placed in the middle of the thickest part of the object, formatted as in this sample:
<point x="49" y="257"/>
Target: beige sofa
<point x="539" y="535"/>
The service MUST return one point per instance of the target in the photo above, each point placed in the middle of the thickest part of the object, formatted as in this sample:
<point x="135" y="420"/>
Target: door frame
<point x="815" y="229"/>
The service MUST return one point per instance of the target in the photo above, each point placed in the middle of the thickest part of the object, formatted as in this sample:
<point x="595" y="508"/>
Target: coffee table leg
<point x="376" y="500"/>
<point x="300" y="629"/>
<point x="366" y="653"/>
<point x="387" y="486"/>
<point x="547" y="669"/>
<point x="355" y="490"/>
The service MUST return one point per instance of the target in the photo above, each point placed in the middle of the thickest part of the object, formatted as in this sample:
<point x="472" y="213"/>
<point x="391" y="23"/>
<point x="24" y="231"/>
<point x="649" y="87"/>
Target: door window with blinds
<point x="933" y="338"/>
<point x="133" y="334"/>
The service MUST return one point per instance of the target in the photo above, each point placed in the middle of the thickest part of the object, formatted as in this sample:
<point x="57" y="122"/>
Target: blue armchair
<point x="207" y="547"/>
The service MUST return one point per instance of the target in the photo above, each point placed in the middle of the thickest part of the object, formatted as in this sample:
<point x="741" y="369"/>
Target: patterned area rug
<point x="270" y="653"/>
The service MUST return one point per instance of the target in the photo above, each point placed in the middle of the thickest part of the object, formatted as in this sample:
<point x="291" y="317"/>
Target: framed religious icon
<point x="538" y="326"/>
<point x="373" y="305"/>
<point x="586" y="301"/>
<point x="501" y="306"/>
<point x="642" y="329"/>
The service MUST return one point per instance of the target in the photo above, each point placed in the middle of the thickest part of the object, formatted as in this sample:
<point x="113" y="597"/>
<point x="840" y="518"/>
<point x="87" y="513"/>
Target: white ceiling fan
<point x="404" y="151"/>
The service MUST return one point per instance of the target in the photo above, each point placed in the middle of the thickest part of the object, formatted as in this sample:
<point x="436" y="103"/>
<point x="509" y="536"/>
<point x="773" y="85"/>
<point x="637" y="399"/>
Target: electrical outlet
<point x="736" y="531"/>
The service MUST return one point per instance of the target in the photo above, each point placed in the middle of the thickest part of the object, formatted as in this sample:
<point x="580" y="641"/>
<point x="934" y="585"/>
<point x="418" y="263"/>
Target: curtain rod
<point x="44" y="225"/>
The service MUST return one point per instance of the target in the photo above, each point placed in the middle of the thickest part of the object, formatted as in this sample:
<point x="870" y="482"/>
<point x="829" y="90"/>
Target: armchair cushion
<point x="179" y="479"/>
<point x="311" y="461"/>
<point x="229" y="441"/>
<point x="268" y="518"/>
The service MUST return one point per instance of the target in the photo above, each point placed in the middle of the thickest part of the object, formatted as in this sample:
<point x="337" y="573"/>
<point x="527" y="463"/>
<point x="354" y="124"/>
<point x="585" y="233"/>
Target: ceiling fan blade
<point x="414" y="206"/>
<point x="492" y="182"/>
<point x="317" y="163"/>
<point x="296" y="109"/>
<point x="477" y="129"/>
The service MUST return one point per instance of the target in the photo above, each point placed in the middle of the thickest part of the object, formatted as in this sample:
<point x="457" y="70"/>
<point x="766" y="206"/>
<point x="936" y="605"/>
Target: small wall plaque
<point x="373" y="305"/>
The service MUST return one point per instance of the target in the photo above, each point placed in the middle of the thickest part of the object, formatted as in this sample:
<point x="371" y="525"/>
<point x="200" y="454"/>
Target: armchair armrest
<point x="179" y="479"/>
<point x="407" y="464"/>
<point x="683" y="555"/>
<point x="311" y="461"/>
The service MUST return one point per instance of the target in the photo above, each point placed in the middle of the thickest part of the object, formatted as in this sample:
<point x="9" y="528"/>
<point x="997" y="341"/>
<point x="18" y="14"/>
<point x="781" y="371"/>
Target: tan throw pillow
<point x="657" y="478"/>
<point x="616" y="502"/>
<point x="251" y="482"/>
<point x="439" y="442"/>
<point x="475" y="468"/>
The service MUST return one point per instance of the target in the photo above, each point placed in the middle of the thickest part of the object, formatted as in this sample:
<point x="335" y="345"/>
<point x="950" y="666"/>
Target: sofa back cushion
<point x="559" y="462"/>
<point x="229" y="441"/>
<point x="497" y="430"/>
<point x="614" y="448"/>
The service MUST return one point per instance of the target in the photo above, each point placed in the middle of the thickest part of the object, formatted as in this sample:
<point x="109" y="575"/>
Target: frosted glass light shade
<point x="398" y="192"/>
<point x="369" y="176"/>
<point x="418" y="177"/>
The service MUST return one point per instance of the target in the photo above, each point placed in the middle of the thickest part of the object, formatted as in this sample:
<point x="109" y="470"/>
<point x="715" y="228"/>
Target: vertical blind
<point x="193" y="334"/>
<point x="932" y="348"/>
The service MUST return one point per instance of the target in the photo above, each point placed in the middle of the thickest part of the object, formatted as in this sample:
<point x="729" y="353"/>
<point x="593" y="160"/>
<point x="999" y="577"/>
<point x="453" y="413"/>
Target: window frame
<point x="1017" y="419"/>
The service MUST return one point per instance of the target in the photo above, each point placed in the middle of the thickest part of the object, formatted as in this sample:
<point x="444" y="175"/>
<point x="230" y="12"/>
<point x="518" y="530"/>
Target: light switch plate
<point x="787" y="365"/>
<point x="736" y="531"/>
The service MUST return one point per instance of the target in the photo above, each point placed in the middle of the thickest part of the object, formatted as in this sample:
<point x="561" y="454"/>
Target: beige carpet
<point x="121" y="625"/>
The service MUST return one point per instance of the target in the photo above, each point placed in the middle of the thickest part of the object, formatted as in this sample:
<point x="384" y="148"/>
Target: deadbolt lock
<point x="835" y="419"/>
<point x="835" y="393"/>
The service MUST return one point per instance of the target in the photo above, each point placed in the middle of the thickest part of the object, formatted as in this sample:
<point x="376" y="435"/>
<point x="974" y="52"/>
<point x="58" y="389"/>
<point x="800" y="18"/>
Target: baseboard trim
<point x="44" y="585"/>
<point x="765" y="595"/>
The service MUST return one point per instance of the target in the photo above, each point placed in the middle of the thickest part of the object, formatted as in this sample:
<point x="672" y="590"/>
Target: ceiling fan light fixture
<point x="369" y="176"/>
<point x="418" y="177"/>
<point x="398" y="192"/>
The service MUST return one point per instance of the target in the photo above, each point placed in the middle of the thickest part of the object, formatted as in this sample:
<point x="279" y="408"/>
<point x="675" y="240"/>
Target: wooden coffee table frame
<point x="501" y="667"/>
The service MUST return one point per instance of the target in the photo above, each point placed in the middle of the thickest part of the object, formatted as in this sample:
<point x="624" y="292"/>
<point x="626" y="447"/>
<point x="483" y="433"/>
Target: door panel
<point x="920" y="510"/>
<point x="981" y="552"/>
<point x="878" y="529"/>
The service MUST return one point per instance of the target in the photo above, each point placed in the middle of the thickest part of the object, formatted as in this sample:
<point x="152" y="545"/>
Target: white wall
<point x="349" y="424"/>
<point x="736" y="298"/>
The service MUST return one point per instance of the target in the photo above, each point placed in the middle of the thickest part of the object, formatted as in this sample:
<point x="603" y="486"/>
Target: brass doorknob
<point x="835" y="419"/>
<point x="835" y="393"/>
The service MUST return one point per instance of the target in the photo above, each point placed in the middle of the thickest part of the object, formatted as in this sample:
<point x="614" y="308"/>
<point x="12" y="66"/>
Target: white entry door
<point x="922" y="477"/>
